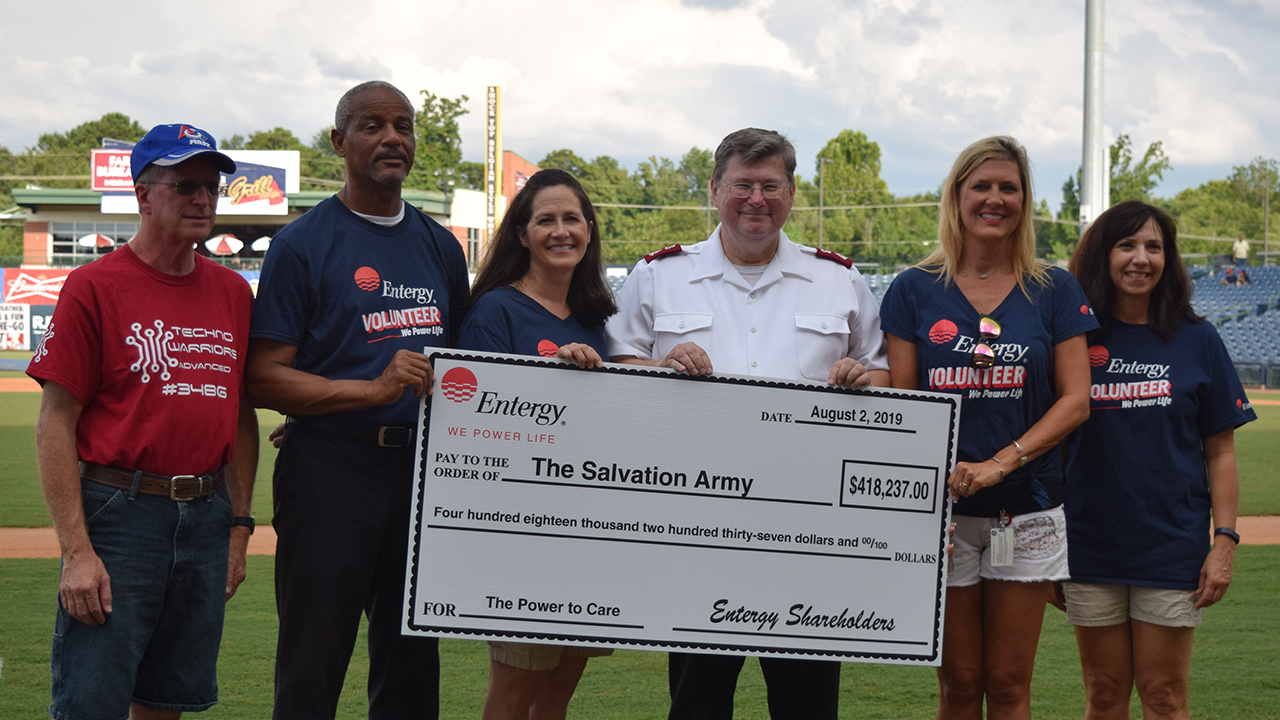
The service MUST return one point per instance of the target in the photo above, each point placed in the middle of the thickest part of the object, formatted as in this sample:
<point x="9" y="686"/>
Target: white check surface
<point x="632" y="508"/>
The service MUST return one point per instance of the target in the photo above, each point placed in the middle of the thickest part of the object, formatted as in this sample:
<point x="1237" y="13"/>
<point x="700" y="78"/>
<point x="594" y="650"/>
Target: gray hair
<point x="751" y="145"/>
<point x="342" y="115"/>
<point x="150" y="173"/>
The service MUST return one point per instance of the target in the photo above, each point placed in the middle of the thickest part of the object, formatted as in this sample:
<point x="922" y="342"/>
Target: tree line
<point x="665" y="201"/>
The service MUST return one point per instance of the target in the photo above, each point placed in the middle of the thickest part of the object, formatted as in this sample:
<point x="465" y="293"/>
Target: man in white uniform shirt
<point x="748" y="301"/>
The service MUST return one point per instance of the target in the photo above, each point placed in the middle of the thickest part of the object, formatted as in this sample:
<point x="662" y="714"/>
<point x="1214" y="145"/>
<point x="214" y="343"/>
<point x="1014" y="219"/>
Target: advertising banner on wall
<point x="34" y="286"/>
<point x="259" y="186"/>
<point x="15" y="327"/>
<point x="110" y="171"/>
<point x="40" y="316"/>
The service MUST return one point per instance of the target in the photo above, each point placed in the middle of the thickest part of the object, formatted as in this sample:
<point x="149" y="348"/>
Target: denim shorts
<point x="167" y="562"/>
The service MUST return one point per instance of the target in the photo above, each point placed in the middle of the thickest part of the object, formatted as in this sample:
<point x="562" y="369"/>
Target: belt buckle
<point x="398" y="437"/>
<point x="173" y="487"/>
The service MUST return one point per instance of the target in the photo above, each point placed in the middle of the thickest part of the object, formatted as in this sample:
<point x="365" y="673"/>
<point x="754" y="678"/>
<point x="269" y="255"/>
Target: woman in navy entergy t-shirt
<point x="983" y="319"/>
<point x="1153" y="464"/>
<point x="541" y="291"/>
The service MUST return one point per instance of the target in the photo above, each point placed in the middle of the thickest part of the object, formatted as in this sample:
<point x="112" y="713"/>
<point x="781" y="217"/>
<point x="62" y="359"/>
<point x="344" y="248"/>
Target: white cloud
<point x="656" y="77"/>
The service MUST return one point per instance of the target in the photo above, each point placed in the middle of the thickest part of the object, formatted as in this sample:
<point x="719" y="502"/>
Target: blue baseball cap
<point x="168" y="145"/>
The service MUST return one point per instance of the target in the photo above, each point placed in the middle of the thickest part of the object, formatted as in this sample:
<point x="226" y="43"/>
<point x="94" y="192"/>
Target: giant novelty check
<point x="639" y="508"/>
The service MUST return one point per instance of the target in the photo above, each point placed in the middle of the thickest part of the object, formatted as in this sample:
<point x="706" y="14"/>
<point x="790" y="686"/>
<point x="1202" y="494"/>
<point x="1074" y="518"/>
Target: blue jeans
<point x="167" y="562"/>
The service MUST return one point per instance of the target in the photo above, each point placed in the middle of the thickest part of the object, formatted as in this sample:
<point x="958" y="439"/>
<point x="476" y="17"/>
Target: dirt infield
<point x="19" y="384"/>
<point x="43" y="543"/>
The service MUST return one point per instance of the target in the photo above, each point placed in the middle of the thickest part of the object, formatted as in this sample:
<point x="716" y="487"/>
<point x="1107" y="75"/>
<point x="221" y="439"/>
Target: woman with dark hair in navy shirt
<point x="1154" y="462"/>
<point x="541" y="291"/>
<point x="982" y="318"/>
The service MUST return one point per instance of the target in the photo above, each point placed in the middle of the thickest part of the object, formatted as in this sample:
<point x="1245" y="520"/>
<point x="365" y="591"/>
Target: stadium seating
<point x="1248" y="319"/>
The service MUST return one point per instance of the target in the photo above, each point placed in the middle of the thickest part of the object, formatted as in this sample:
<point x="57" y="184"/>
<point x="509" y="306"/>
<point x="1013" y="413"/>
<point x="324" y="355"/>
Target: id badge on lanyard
<point x="1002" y="542"/>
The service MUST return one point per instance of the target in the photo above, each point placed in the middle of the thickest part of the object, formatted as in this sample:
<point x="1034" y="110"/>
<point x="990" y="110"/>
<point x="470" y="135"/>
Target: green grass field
<point x="1233" y="669"/>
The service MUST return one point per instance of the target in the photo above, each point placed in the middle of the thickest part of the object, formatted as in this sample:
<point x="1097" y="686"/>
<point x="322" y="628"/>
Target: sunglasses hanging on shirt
<point x="988" y="332"/>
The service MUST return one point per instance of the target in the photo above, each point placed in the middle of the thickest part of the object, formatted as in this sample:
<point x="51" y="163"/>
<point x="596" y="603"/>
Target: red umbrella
<point x="224" y="244"/>
<point x="96" y="240"/>
<point x="261" y="244"/>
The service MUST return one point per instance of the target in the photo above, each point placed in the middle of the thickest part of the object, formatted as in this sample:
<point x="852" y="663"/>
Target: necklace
<point x="984" y="276"/>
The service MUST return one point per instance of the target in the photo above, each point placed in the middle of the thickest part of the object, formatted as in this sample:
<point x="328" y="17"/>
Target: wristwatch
<point x="243" y="521"/>
<point x="1228" y="532"/>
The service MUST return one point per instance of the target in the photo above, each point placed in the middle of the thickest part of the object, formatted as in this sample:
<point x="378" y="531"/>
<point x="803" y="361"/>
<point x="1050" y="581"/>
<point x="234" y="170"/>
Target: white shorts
<point x="1039" y="549"/>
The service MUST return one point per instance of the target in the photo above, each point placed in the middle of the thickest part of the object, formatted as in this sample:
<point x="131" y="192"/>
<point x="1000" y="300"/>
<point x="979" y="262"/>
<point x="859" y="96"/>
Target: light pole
<point x="1095" y="180"/>
<point x="822" y="163"/>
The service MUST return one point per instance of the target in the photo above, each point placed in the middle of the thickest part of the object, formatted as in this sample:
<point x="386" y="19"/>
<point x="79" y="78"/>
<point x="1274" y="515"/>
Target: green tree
<point x="58" y="155"/>
<point x="566" y="160"/>
<point x="1227" y="208"/>
<point x="439" y="143"/>
<point x="89" y="135"/>
<point x="851" y="178"/>
<point x="1129" y="181"/>
<point x="1135" y="182"/>
<point x="697" y="166"/>
<point x="277" y="138"/>
<point x="319" y="166"/>
<point x="324" y="165"/>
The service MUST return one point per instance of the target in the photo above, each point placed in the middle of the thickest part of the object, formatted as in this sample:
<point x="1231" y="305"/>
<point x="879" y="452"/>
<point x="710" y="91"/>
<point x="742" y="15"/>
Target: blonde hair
<point x="945" y="258"/>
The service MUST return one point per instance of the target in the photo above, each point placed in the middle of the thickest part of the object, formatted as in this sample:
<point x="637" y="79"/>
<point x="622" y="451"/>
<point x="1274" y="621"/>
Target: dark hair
<point x="506" y="260"/>
<point x="752" y="145"/>
<point x="342" y="115"/>
<point x="1091" y="264"/>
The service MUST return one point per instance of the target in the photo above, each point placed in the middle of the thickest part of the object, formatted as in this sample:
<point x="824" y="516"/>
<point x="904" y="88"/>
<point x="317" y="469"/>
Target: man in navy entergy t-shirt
<point x="350" y="297"/>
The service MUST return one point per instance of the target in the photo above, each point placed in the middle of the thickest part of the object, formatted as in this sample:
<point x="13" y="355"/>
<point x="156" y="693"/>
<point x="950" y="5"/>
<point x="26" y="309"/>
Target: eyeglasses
<point x="187" y="188"/>
<point x="742" y="191"/>
<point x="988" y="331"/>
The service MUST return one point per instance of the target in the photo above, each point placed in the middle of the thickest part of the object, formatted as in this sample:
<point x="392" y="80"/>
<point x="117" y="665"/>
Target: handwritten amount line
<point x="670" y="543"/>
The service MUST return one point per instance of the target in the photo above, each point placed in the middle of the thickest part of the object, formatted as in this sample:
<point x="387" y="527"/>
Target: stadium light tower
<point x="1095" y="183"/>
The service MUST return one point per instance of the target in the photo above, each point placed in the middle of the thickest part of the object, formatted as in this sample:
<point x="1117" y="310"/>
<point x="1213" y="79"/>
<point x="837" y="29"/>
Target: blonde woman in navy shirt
<point x="1152" y="470"/>
<point x="982" y="318"/>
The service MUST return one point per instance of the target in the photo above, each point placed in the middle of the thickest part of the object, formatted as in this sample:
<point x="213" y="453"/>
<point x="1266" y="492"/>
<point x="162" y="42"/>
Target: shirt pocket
<point x="821" y="341"/>
<point x="671" y="329"/>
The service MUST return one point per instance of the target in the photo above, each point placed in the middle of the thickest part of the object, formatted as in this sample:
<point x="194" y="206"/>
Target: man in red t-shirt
<point x="147" y="448"/>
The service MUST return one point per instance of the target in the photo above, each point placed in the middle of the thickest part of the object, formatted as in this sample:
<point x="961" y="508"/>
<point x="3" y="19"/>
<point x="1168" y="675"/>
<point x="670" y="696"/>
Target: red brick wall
<point x="513" y="167"/>
<point x="35" y="244"/>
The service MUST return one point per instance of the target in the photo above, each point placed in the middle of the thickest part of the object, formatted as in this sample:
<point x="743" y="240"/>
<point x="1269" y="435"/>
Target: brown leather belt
<point x="179" y="487"/>
<point x="387" y="436"/>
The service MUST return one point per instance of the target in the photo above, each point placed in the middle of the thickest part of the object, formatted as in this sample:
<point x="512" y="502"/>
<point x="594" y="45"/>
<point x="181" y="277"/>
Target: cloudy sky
<point x="635" y="79"/>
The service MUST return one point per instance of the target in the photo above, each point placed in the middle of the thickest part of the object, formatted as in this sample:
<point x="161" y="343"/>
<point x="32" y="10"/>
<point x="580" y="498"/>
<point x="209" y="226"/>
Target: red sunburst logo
<point x="1098" y="356"/>
<point x="368" y="279"/>
<point x="942" y="331"/>
<point x="459" y="384"/>
<point x="546" y="348"/>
